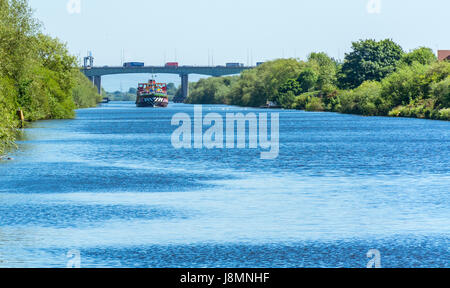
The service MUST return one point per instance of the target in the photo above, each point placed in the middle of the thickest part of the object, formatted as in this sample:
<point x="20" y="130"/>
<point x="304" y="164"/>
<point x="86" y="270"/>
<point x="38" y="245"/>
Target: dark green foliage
<point x="291" y="85"/>
<point x="308" y="79"/>
<point x="369" y="60"/>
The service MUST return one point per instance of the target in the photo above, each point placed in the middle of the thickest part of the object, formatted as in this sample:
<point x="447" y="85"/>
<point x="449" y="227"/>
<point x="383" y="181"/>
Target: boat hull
<point x="152" y="100"/>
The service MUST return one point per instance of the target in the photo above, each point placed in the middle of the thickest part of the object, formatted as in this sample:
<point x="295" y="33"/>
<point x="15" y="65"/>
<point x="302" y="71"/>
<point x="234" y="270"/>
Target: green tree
<point x="369" y="60"/>
<point x="37" y="73"/>
<point x="308" y="79"/>
<point x="291" y="85"/>
<point x="327" y="70"/>
<point x="441" y="92"/>
<point x="423" y="55"/>
<point x="413" y="82"/>
<point x="17" y="31"/>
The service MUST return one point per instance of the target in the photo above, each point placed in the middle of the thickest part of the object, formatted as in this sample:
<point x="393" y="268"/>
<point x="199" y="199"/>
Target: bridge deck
<point x="182" y="70"/>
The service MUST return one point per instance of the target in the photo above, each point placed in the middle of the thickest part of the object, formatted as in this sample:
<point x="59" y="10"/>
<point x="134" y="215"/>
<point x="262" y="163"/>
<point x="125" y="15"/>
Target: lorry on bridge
<point x="234" y="65"/>
<point x="172" y="65"/>
<point x="133" y="64"/>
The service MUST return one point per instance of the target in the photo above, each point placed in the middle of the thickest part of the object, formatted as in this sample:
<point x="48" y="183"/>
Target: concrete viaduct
<point x="95" y="73"/>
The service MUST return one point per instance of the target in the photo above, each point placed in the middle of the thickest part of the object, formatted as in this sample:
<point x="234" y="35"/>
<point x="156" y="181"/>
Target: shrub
<point x="441" y="91"/>
<point x="444" y="114"/>
<point x="416" y="109"/>
<point x="405" y="85"/>
<point x="300" y="102"/>
<point x="364" y="100"/>
<point x="314" y="104"/>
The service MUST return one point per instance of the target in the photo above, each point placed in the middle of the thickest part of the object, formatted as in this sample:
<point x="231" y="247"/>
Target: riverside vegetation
<point x="375" y="79"/>
<point x="37" y="73"/>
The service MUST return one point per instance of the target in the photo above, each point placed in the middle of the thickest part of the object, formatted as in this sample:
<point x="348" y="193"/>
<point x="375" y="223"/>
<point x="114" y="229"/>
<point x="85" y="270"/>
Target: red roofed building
<point x="443" y="55"/>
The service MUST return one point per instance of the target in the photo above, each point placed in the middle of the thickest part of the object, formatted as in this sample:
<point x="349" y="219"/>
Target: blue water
<point x="110" y="185"/>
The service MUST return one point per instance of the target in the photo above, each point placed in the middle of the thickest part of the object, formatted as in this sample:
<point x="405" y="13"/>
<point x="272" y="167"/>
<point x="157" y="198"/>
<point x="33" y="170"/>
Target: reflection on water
<point x="110" y="184"/>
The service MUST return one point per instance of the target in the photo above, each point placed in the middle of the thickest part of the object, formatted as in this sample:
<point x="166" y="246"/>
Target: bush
<point x="444" y="114"/>
<point x="423" y="109"/>
<point x="300" y="102"/>
<point x="286" y="100"/>
<point x="314" y="104"/>
<point x="441" y="91"/>
<point x="405" y="85"/>
<point x="364" y="100"/>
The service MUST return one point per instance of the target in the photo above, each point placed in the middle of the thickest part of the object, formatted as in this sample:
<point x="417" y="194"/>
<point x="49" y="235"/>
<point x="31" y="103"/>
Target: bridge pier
<point x="184" y="86"/>
<point x="98" y="83"/>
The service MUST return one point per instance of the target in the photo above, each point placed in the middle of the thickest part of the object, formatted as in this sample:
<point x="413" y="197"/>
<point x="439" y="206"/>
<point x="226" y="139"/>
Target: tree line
<point x="37" y="73"/>
<point x="377" y="78"/>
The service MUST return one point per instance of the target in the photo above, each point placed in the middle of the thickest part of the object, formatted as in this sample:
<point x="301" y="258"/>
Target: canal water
<point x="110" y="185"/>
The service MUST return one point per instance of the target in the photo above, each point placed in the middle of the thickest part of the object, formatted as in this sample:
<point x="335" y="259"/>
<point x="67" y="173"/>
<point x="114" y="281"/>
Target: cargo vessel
<point x="152" y="94"/>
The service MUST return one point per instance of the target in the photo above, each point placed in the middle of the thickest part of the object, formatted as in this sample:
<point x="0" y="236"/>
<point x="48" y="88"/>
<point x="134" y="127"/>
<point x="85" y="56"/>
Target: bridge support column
<point x="185" y="86"/>
<point x="98" y="83"/>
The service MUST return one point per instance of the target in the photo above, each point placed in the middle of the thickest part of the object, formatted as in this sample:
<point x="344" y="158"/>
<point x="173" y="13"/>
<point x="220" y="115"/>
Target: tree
<point x="17" y="31"/>
<point x="327" y="69"/>
<point x="287" y="93"/>
<point x="423" y="55"/>
<point x="369" y="60"/>
<point x="441" y="91"/>
<point x="308" y="79"/>
<point x="291" y="85"/>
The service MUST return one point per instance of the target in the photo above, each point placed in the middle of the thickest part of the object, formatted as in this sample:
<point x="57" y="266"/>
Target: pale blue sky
<point x="151" y="31"/>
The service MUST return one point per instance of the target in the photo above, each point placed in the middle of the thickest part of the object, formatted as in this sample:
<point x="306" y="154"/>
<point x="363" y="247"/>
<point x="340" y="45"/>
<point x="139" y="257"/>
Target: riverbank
<point x="37" y="74"/>
<point x="370" y="82"/>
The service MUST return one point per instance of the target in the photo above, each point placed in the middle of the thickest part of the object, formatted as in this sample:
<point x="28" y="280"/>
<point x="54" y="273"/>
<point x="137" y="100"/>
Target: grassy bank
<point x="37" y="73"/>
<point x="375" y="79"/>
